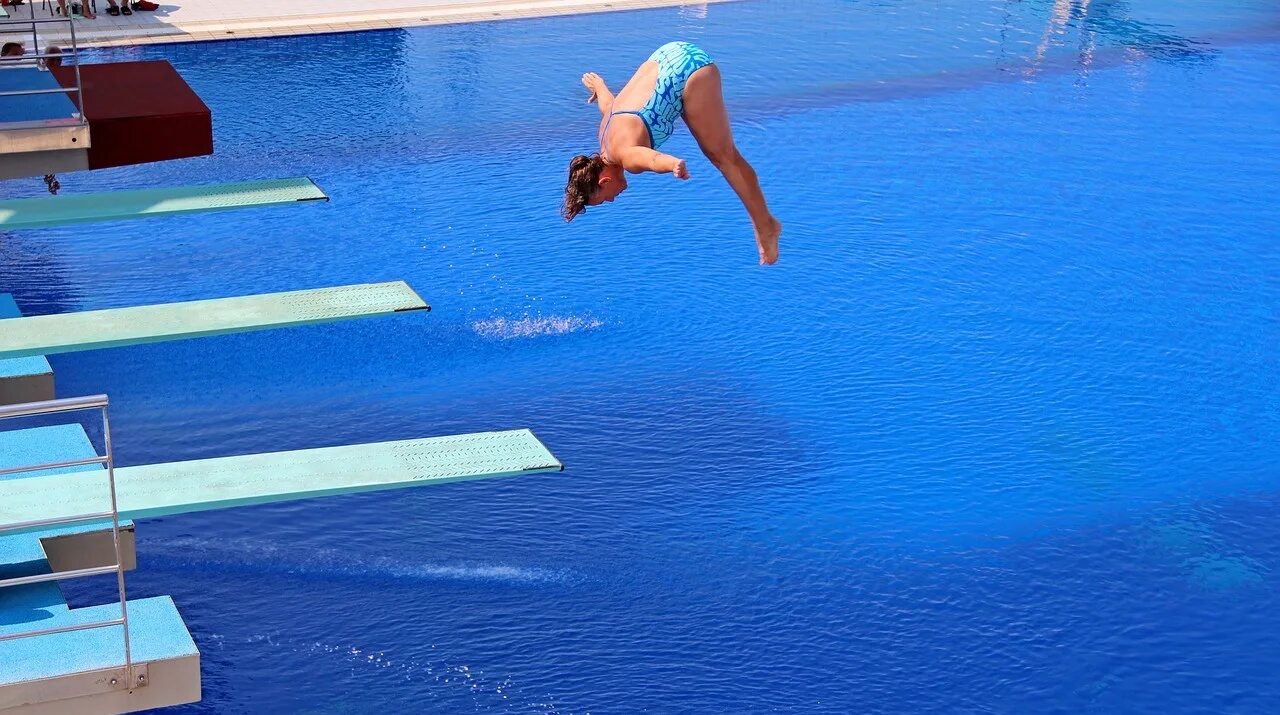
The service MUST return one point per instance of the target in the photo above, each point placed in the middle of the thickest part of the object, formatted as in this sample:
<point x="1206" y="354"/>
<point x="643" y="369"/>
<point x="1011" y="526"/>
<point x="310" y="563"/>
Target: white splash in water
<point x="438" y="674"/>
<point x="531" y="326"/>
<point x="331" y="562"/>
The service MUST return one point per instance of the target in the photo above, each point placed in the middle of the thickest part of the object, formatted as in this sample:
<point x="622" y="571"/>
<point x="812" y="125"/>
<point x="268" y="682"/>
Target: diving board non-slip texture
<point x="49" y="211"/>
<point x="181" y="487"/>
<point x="95" y="329"/>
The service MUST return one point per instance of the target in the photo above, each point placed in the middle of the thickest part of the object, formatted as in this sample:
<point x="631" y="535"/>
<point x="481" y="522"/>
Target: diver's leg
<point x="708" y="121"/>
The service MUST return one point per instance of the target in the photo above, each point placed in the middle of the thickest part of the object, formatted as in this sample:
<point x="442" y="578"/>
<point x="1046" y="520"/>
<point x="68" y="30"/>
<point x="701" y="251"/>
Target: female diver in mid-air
<point x="678" y="80"/>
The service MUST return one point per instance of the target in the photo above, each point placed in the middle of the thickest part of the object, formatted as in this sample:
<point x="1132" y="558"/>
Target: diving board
<point x="48" y="211"/>
<point x="95" y="329"/>
<point x="181" y="487"/>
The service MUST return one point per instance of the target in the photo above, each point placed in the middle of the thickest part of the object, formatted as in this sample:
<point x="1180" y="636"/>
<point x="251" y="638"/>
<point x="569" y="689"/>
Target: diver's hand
<point x="680" y="171"/>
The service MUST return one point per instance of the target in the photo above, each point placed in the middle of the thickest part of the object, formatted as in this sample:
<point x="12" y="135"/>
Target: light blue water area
<point x="998" y="434"/>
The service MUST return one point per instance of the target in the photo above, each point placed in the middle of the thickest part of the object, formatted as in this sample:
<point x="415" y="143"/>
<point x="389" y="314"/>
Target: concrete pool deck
<point x="231" y="19"/>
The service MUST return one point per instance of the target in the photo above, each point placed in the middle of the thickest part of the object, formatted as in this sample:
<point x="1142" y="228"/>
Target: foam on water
<point x="191" y="552"/>
<point x="443" y="677"/>
<point x="534" y="326"/>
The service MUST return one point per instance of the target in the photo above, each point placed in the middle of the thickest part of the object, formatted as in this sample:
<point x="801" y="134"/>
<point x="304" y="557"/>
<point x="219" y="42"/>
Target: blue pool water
<point x="999" y="434"/>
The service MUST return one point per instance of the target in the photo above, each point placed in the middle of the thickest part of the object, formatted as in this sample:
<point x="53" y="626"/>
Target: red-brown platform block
<point x="140" y="112"/>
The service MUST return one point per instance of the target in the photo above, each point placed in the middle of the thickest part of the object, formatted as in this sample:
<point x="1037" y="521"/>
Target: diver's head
<point x="591" y="182"/>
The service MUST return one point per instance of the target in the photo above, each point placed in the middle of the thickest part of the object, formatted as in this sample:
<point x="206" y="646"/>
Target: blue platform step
<point x="72" y="672"/>
<point x="75" y="669"/>
<point x="23" y="379"/>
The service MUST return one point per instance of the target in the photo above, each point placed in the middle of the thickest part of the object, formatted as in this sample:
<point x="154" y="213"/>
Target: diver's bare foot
<point x="594" y="83"/>
<point x="767" y="241"/>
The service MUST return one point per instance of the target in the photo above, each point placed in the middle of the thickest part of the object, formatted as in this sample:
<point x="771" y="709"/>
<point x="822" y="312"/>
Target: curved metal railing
<point x="51" y="407"/>
<point x="9" y="25"/>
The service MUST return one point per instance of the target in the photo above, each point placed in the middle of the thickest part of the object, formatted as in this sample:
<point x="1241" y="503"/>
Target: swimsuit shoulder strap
<point x="604" y="137"/>
<point x="604" y="133"/>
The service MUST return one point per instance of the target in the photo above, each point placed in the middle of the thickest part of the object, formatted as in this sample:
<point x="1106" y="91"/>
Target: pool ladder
<point x="132" y="680"/>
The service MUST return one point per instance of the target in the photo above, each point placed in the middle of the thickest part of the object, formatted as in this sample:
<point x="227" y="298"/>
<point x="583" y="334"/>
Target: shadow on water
<point x="1186" y="537"/>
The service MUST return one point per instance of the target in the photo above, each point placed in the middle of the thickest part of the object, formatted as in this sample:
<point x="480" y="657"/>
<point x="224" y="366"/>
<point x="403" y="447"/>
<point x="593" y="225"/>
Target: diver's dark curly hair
<point x="584" y="175"/>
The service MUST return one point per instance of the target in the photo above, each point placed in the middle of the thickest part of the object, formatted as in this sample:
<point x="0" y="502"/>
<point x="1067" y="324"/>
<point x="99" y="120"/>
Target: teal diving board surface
<point x="48" y="211"/>
<point x="45" y="445"/>
<point x="95" y="329"/>
<point x="181" y="487"/>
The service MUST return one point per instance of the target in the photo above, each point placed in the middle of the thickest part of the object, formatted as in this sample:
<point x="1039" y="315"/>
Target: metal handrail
<point x="42" y="55"/>
<point x="58" y="576"/>
<point x="48" y="407"/>
<point x="74" y="53"/>
<point x="53" y="465"/>
<point x="25" y="92"/>
<point x="62" y="629"/>
<point x="41" y="523"/>
<point x="13" y="20"/>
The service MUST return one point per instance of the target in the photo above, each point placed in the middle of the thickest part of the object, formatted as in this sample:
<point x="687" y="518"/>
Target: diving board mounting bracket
<point x="81" y="685"/>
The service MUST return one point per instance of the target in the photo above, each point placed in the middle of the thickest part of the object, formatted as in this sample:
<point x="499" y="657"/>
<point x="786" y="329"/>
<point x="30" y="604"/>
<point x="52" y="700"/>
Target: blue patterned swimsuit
<point x="677" y="61"/>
